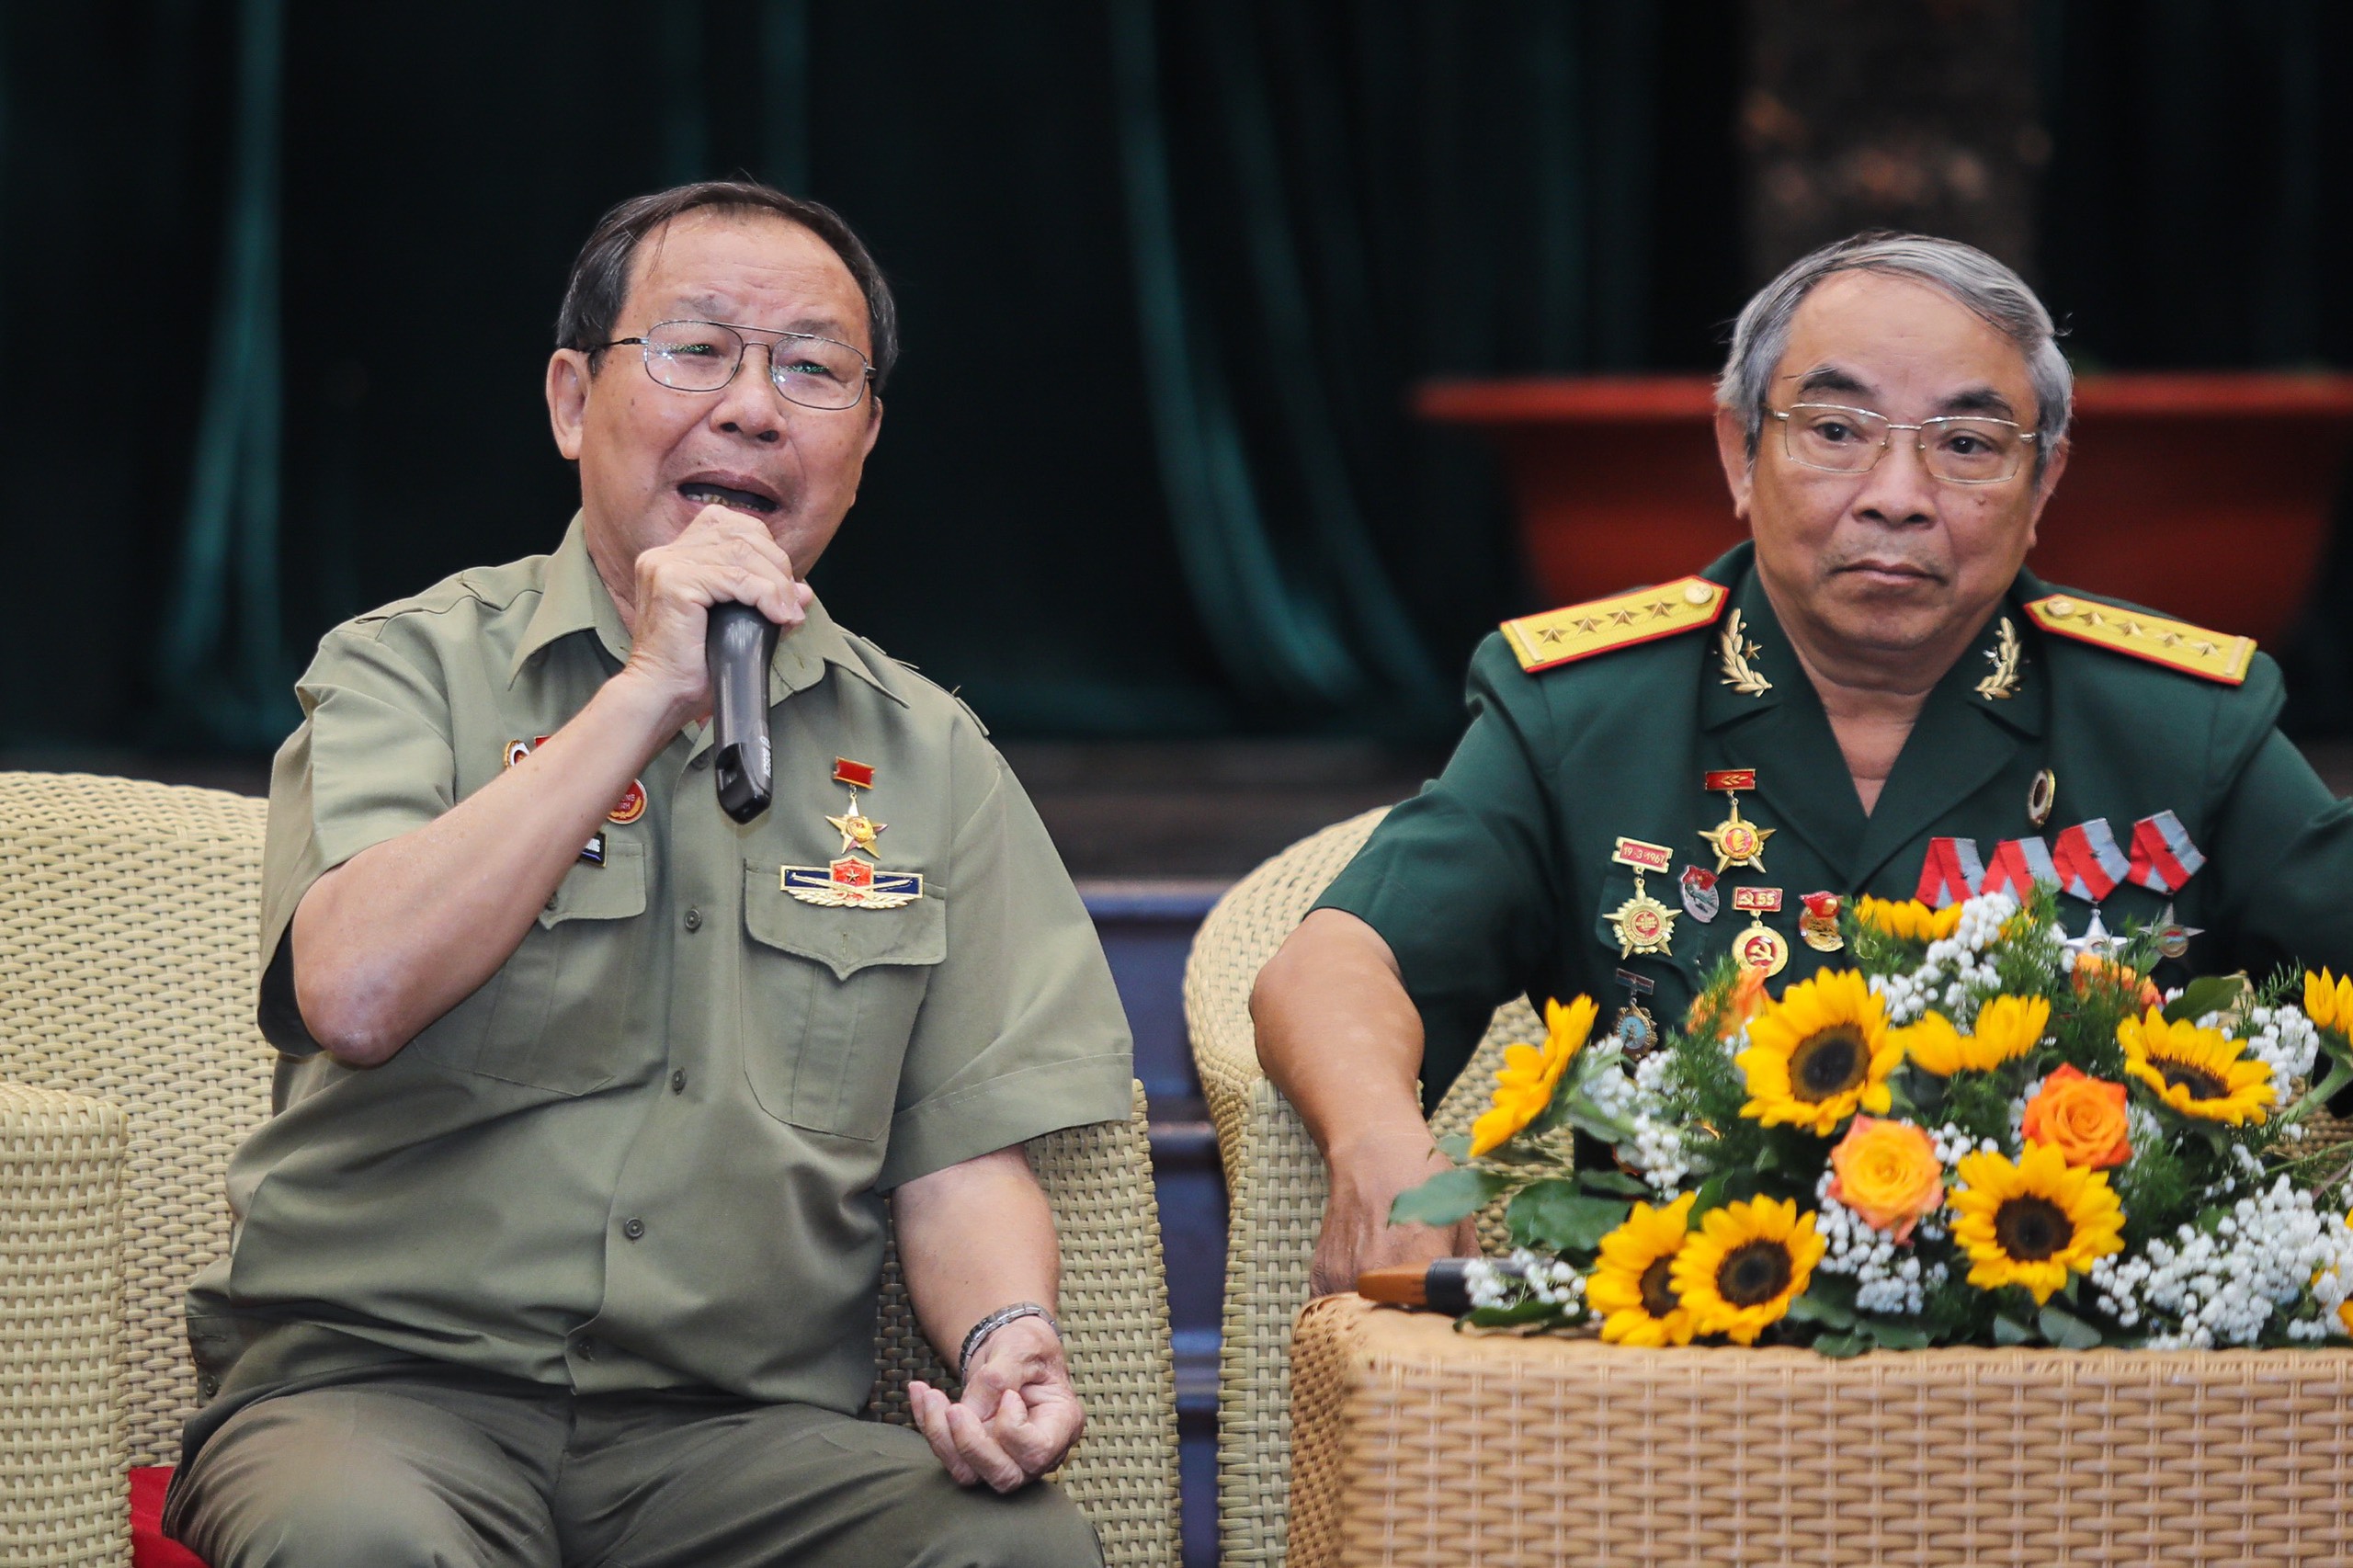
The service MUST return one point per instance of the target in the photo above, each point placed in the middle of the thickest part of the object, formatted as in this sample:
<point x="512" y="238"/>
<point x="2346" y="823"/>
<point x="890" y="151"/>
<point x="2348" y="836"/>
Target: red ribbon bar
<point x="1757" y="901"/>
<point x="858" y="775"/>
<point x="2163" y="855"/>
<point x="1949" y="873"/>
<point x="1733" y="778"/>
<point x="2016" y="865"/>
<point x="2087" y="860"/>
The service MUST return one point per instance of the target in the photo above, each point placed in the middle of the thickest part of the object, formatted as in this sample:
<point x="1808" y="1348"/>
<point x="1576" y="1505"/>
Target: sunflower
<point x="1738" y="1273"/>
<point x="2195" y="1070"/>
<point x="1524" y="1084"/>
<point x="2007" y="1028"/>
<point x="1907" y="919"/>
<point x="2328" y="1001"/>
<point x="2031" y="1223"/>
<point x="1819" y="1054"/>
<point x="1632" y="1283"/>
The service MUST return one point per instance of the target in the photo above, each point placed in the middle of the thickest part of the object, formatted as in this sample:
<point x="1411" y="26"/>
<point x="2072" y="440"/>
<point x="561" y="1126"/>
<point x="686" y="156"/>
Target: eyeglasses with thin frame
<point x="1960" y="448"/>
<point x="704" y="355"/>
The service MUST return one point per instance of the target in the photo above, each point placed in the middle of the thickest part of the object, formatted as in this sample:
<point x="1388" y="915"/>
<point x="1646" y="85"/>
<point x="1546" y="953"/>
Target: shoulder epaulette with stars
<point x="1579" y="631"/>
<point x="2177" y="645"/>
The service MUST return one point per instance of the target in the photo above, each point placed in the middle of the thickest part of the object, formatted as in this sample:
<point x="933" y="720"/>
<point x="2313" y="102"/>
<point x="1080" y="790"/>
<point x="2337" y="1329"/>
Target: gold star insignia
<point x="1661" y="610"/>
<point x="857" y="830"/>
<point x="1588" y="622"/>
<point x="1621" y="617"/>
<point x="1550" y="634"/>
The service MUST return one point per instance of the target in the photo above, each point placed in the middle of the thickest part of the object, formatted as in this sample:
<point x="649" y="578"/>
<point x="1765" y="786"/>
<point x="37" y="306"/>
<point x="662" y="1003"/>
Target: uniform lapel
<point x="1784" y="735"/>
<point x="1962" y="739"/>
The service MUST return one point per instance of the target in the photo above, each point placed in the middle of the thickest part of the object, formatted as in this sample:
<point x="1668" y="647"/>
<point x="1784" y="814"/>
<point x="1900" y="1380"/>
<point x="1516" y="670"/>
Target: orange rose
<point x="2082" y="1117"/>
<point x="1888" y="1173"/>
<point x="1741" y="1004"/>
<point x="2097" y="969"/>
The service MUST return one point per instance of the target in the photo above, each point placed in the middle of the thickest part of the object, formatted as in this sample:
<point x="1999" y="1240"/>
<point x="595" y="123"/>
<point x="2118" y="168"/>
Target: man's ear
<point x="568" y="378"/>
<point x="2044" y="486"/>
<point x="1731" y="450"/>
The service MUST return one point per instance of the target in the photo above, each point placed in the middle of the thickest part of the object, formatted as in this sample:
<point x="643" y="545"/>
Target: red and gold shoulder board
<point x="1579" y="631"/>
<point x="2177" y="645"/>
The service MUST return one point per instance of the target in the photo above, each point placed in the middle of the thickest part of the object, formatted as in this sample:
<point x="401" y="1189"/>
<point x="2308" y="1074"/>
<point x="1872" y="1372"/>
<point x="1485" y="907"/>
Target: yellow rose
<point x="2082" y="1117"/>
<point x="1888" y="1173"/>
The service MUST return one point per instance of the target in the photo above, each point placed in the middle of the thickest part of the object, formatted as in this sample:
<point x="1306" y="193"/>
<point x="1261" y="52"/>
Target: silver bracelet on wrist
<point x="979" y="1333"/>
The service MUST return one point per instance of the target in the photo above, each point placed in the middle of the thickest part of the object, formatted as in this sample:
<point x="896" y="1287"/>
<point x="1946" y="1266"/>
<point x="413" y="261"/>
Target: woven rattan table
<point x="1413" y="1444"/>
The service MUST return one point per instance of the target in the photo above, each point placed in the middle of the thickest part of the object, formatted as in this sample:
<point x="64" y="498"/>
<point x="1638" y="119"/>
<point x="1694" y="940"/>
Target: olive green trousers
<point x="423" y="1471"/>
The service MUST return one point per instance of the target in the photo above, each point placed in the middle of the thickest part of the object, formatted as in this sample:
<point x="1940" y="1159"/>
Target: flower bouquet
<point x="1983" y="1132"/>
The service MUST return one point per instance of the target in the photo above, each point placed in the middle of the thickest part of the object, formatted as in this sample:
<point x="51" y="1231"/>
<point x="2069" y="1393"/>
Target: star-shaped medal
<point x="1737" y="842"/>
<point x="2173" y="936"/>
<point x="2095" y="941"/>
<point x="857" y="830"/>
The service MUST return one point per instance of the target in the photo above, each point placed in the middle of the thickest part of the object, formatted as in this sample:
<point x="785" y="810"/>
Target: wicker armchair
<point x="129" y="1067"/>
<point x="1275" y="1179"/>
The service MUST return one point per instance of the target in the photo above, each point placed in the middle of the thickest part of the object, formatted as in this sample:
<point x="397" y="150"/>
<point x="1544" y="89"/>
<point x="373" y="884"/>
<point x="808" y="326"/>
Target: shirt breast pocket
<point x="556" y="1015"/>
<point x="829" y="996"/>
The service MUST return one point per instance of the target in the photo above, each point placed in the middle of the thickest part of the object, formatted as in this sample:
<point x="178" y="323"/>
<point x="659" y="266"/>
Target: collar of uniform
<point x="572" y="600"/>
<point x="1721" y="703"/>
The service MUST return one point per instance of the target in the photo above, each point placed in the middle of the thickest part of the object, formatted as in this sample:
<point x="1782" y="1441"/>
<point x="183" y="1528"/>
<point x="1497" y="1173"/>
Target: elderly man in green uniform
<point x="1871" y="697"/>
<point x="563" y="1246"/>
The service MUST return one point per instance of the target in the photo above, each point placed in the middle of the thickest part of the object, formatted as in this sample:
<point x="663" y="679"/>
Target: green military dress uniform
<point x="649" y="1156"/>
<point x="1498" y="879"/>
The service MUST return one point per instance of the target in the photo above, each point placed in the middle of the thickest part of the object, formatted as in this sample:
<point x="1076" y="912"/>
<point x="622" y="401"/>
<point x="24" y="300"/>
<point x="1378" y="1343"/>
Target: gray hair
<point x="1971" y="278"/>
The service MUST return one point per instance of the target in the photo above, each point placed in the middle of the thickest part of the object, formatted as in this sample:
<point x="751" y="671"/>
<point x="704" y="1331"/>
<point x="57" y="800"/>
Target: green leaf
<point x="2008" y="1330"/>
<point x="2207" y="994"/>
<point x="1518" y="1312"/>
<point x="1711" y="1195"/>
<point x="2068" y="1331"/>
<point x="1841" y="1346"/>
<point x="1455" y="1146"/>
<point x="1895" y="1336"/>
<point x="1814" y="1307"/>
<point x="1617" y="1182"/>
<point x="1589" y="1119"/>
<point x="1447" y="1197"/>
<point x="1554" y="1216"/>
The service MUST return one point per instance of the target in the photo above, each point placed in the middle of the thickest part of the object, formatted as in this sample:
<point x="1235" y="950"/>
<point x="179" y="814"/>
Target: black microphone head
<point x="737" y="647"/>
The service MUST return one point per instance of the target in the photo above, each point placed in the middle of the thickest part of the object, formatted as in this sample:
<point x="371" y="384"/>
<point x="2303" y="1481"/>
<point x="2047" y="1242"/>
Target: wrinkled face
<point x="651" y="458"/>
<point x="1893" y="563"/>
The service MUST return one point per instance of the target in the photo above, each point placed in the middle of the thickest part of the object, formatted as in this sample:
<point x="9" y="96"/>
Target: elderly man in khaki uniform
<point x="563" y="1246"/>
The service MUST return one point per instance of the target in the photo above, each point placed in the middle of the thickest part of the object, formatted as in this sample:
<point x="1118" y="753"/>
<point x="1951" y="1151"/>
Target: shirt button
<point x="551" y="904"/>
<point x="678" y="1083"/>
<point x="587" y="1350"/>
<point x="694" y="919"/>
<point x="632" y="1228"/>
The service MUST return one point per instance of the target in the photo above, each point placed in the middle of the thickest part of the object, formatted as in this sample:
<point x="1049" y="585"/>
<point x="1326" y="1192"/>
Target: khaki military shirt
<point x="651" y="1150"/>
<point x="1499" y="878"/>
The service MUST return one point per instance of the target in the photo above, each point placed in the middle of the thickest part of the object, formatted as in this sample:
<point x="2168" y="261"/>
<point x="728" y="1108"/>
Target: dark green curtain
<point x="1327" y="203"/>
<point x="1227" y="238"/>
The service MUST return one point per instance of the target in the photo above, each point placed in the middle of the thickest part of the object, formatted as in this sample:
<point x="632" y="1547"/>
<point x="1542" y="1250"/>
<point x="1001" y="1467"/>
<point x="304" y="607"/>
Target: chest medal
<point x="1643" y="925"/>
<point x="1819" y="924"/>
<point x="1736" y="840"/>
<point x="1701" y="901"/>
<point x="848" y="881"/>
<point x="1760" y="947"/>
<point x="1636" y="1030"/>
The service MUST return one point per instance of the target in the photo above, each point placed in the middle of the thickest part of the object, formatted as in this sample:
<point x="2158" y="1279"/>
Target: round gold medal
<point x="1643" y="925"/>
<point x="1762" y="948"/>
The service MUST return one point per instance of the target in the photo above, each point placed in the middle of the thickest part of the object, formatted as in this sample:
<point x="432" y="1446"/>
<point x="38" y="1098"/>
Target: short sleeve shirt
<point x="651" y="1149"/>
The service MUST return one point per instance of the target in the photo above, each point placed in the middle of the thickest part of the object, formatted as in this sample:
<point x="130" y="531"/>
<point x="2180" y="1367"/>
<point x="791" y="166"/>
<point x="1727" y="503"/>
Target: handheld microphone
<point x="738" y="644"/>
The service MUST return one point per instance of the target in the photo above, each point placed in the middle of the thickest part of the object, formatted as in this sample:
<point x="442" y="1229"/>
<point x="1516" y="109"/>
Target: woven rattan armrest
<point x="64" y="1437"/>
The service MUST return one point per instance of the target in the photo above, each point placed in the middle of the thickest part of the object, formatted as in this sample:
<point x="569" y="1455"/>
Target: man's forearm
<point x="972" y="1238"/>
<point x="402" y="932"/>
<point x="1340" y="1037"/>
